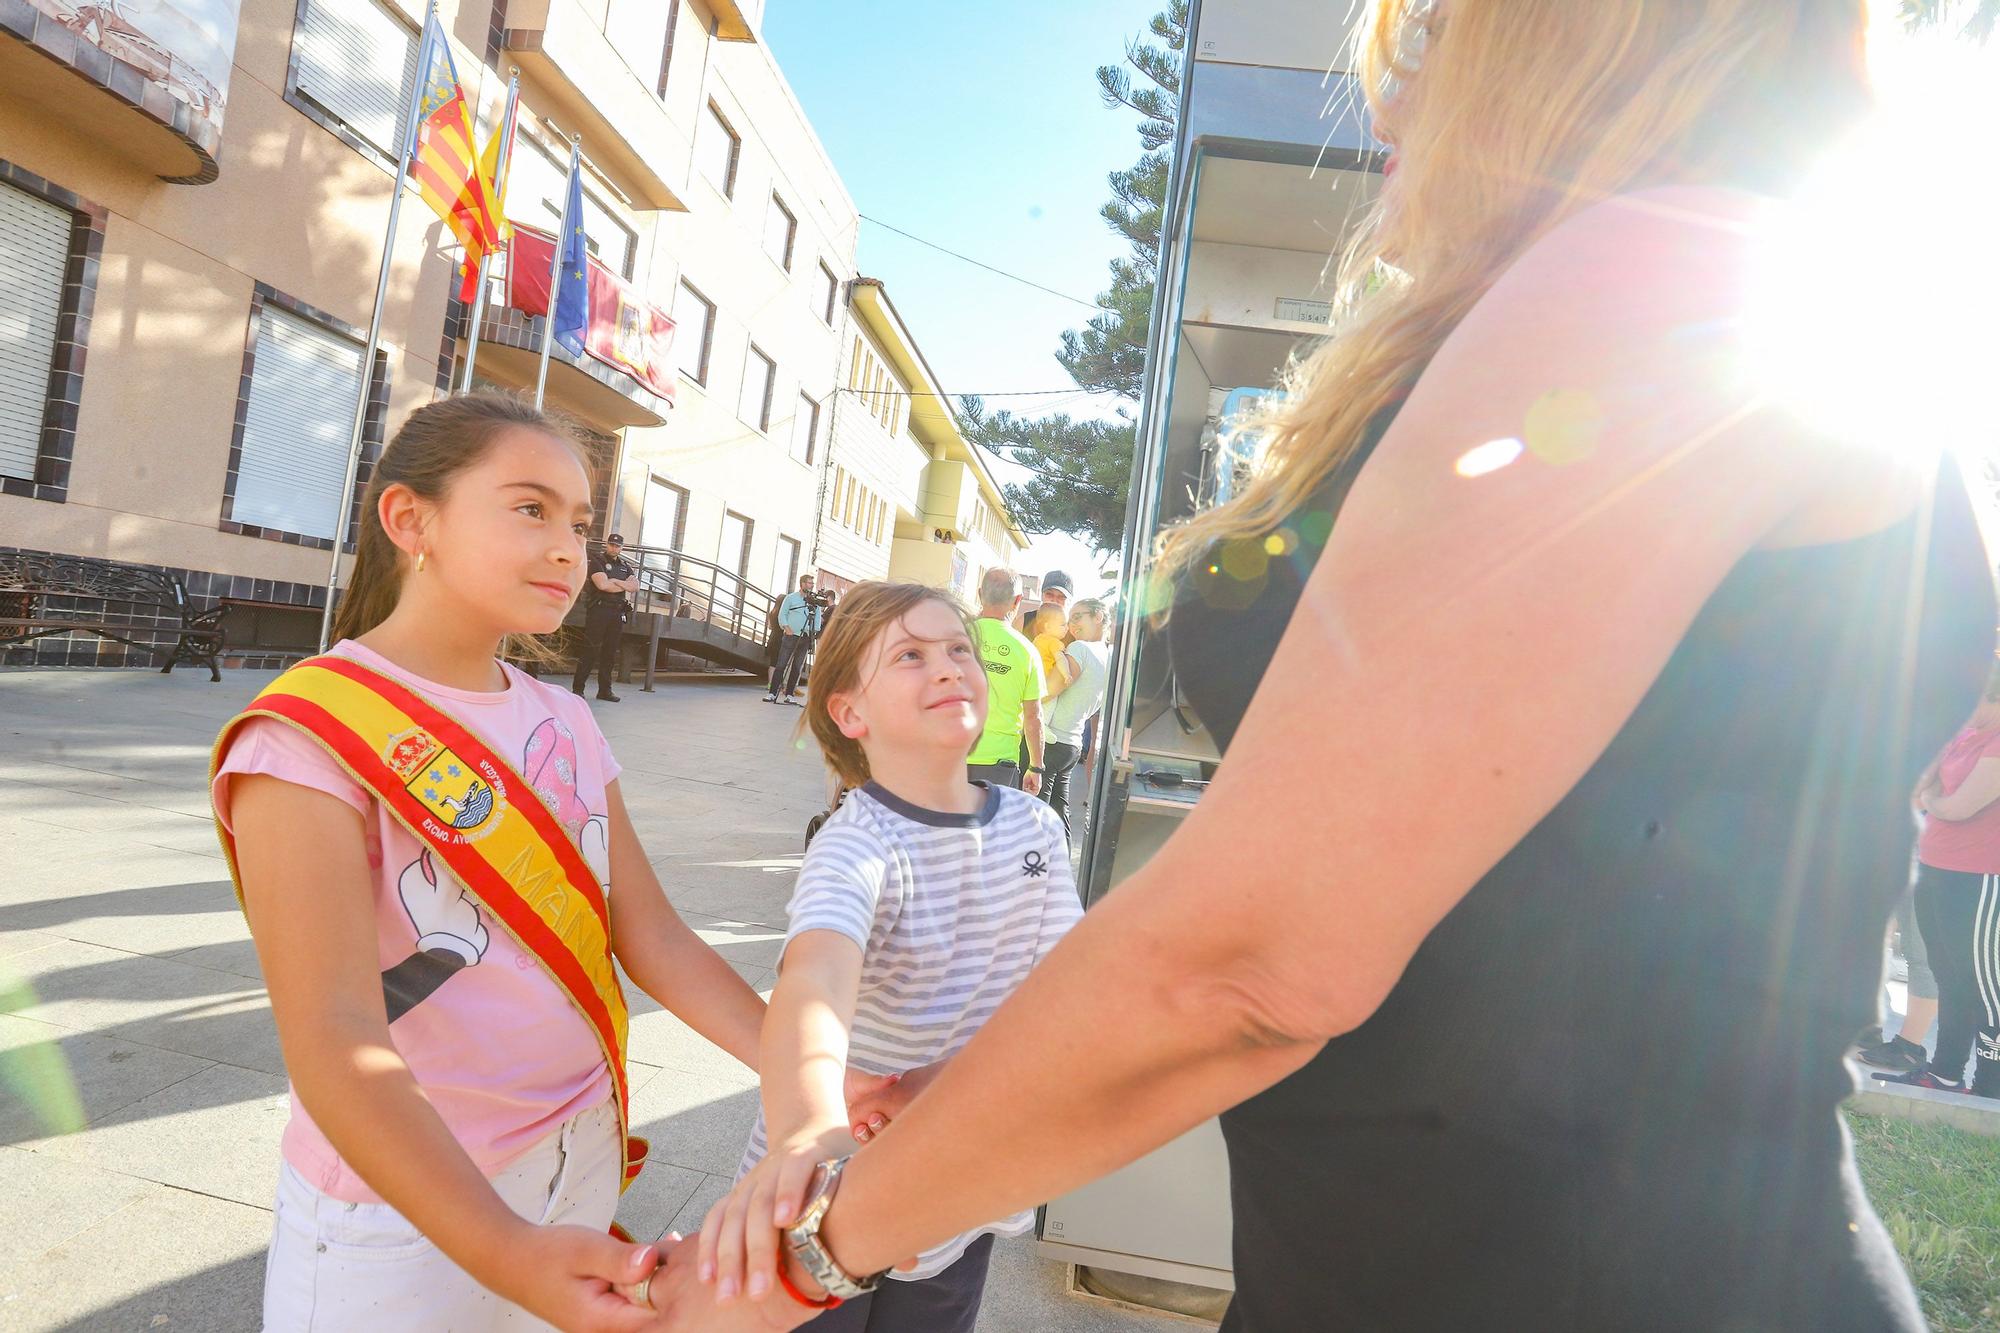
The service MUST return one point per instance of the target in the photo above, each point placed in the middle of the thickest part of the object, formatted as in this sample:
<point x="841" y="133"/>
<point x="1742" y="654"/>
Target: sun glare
<point x="1877" y="311"/>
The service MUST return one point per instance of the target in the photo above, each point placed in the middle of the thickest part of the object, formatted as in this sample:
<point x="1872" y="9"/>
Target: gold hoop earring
<point x="421" y="557"/>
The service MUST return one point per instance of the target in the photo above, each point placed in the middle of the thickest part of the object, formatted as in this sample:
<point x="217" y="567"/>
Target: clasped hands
<point x="726" y="1278"/>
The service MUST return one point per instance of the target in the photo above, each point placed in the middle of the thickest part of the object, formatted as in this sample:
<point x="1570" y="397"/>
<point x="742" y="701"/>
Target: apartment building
<point x="192" y="208"/>
<point x="907" y="496"/>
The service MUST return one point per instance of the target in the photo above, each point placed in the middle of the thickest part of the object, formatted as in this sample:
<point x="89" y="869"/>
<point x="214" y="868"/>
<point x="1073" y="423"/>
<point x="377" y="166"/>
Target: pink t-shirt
<point x="1970" y="845"/>
<point x="497" y="1046"/>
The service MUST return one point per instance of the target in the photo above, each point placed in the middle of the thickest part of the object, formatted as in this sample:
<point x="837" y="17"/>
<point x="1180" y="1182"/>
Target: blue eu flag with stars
<point x="572" y="302"/>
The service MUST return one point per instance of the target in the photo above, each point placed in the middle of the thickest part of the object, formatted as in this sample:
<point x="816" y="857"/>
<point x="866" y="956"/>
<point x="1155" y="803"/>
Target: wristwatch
<point x="802" y="1238"/>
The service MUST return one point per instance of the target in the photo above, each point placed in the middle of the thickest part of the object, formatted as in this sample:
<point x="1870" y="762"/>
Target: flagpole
<point x="346" y="497"/>
<point x="500" y="192"/>
<point x="555" y="268"/>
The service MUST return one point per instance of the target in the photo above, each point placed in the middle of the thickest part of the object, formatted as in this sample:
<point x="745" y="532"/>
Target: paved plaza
<point x="122" y="949"/>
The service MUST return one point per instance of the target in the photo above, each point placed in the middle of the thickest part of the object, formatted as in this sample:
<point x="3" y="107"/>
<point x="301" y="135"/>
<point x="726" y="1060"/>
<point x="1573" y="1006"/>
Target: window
<point x="829" y="292"/>
<point x="833" y="503"/>
<point x="732" y="554"/>
<point x="663" y="520"/>
<point x="356" y="63"/>
<point x="785" y="565"/>
<point x="805" y="429"/>
<point x="637" y="30"/>
<point x="34" y="255"/>
<point x="881" y="521"/>
<point x="874" y="387"/>
<point x="847" y="504"/>
<point x="667" y="55"/>
<point x="854" y="379"/>
<point x="694" y="332"/>
<point x="717" y="149"/>
<point x="781" y="233"/>
<point x="875" y="520"/>
<point x="753" y="404"/>
<point x="888" y="408"/>
<point x="296" y="427"/>
<point x="535" y="189"/>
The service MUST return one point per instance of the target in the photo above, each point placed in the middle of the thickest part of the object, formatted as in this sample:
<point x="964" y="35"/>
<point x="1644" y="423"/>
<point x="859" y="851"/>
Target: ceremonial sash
<point x="477" y="815"/>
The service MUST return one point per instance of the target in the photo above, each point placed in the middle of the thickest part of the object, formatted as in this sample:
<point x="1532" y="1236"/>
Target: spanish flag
<point x="445" y="163"/>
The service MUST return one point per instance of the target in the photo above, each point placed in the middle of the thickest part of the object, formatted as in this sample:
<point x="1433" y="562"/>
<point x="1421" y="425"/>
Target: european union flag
<point x="572" y="299"/>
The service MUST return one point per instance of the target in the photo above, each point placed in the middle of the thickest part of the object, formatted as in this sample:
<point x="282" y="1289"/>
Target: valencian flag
<point x="444" y="161"/>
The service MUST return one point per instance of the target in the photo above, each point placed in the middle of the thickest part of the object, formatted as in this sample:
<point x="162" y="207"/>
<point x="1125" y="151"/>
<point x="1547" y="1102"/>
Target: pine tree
<point x="1082" y="468"/>
<point x="1975" y="19"/>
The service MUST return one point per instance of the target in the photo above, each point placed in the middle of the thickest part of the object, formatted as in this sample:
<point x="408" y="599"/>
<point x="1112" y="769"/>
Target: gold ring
<point x="644" y="1294"/>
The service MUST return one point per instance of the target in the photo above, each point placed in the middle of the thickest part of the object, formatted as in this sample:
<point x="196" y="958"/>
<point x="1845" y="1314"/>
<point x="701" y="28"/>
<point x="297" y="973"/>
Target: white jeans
<point x="336" y="1266"/>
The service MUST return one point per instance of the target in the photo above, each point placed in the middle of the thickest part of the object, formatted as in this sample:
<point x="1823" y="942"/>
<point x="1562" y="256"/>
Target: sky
<point x="978" y="126"/>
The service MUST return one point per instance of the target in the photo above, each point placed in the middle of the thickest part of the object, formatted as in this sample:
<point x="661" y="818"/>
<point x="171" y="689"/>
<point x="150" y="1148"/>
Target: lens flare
<point x="1488" y="457"/>
<point x="1873" y="314"/>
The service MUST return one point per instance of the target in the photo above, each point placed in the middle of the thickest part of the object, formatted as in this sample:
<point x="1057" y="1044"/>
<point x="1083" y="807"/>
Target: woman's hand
<point x="739" y="1249"/>
<point x="570" y="1277"/>
<point x="872" y="1113"/>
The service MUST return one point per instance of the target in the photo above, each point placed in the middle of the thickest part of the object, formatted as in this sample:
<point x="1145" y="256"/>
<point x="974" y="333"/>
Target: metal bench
<point x="42" y="595"/>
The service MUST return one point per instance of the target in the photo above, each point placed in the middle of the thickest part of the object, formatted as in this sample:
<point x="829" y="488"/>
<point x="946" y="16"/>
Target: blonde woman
<point x="1576" y="789"/>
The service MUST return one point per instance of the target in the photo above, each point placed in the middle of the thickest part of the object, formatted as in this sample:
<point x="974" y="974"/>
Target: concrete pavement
<point x="122" y="949"/>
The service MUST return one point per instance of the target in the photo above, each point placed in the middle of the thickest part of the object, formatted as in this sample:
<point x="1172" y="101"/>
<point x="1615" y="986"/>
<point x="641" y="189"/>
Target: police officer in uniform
<point x="612" y="581"/>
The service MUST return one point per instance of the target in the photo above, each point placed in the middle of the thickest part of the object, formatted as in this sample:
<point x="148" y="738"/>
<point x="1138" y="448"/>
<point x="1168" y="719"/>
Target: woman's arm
<point x="306" y="893"/>
<point x="1067" y="673"/>
<point x="1980" y="789"/>
<point x="664" y="956"/>
<point x="1502" y="628"/>
<point x="1464" y="651"/>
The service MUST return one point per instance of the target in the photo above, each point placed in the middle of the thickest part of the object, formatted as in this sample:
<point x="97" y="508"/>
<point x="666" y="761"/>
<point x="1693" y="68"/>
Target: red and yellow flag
<point x="445" y="163"/>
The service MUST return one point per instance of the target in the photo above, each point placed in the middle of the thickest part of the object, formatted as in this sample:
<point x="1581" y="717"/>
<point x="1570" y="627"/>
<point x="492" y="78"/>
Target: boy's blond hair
<point x="865" y="611"/>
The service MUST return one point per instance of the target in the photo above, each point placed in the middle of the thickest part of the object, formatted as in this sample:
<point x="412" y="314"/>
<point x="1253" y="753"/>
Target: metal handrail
<point x="674" y="583"/>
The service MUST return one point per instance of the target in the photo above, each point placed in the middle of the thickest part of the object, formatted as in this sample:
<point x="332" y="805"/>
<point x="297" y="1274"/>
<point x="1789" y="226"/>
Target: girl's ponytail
<point x="436" y="443"/>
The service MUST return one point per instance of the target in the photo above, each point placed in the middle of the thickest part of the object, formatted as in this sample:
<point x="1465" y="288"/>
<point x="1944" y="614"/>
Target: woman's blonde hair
<point x="865" y="612"/>
<point x="1526" y="112"/>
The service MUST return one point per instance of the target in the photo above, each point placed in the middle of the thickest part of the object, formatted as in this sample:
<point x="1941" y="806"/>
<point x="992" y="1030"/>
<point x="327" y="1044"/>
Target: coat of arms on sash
<point x="466" y="799"/>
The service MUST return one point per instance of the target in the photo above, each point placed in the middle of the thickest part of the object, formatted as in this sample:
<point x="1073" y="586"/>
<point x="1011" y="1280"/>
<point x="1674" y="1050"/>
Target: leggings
<point x="1923" y="984"/>
<point x="1959" y="915"/>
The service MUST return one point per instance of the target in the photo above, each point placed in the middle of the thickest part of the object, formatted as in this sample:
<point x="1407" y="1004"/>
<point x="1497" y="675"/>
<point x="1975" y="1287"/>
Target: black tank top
<point x="1604" y="1094"/>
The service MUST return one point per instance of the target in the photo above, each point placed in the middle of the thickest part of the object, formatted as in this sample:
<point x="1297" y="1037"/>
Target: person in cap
<point x="607" y="604"/>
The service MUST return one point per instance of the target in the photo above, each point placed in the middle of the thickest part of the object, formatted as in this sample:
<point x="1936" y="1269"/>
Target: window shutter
<point x="360" y="64"/>
<point x="303" y="387"/>
<point x="34" y="250"/>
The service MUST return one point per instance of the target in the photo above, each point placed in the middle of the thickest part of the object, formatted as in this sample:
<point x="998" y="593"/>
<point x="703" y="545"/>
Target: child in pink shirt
<point x="454" y="1156"/>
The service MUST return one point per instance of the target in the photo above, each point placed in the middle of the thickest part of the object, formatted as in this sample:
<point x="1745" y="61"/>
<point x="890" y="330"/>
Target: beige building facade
<point x="192" y="209"/>
<point x="907" y="495"/>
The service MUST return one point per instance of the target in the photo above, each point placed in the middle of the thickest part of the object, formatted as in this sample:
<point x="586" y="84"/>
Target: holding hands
<point x="575" y="1278"/>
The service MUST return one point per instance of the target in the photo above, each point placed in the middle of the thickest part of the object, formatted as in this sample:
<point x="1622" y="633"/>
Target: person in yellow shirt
<point x="1015" y="686"/>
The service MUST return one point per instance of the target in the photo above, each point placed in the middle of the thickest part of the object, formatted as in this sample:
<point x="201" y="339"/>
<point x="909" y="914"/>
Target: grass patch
<point x="1937" y="1189"/>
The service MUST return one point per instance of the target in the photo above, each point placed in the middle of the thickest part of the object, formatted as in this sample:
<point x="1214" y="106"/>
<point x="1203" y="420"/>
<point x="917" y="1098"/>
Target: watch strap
<point x="803" y="1241"/>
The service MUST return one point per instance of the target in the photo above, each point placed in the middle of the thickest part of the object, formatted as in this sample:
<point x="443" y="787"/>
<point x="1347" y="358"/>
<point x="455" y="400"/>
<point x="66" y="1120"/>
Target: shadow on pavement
<point x="227" y="1298"/>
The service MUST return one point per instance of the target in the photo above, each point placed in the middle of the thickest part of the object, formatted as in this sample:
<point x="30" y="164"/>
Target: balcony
<point x="580" y="80"/>
<point x="602" y="397"/>
<point x="151" y="92"/>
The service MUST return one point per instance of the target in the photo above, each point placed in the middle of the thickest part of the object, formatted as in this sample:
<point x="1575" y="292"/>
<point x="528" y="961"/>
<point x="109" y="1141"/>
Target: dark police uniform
<point x="604" y="620"/>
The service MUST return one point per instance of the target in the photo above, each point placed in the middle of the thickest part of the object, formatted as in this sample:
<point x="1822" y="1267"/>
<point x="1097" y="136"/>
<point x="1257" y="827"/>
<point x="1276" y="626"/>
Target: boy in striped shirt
<point x="922" y="904"/>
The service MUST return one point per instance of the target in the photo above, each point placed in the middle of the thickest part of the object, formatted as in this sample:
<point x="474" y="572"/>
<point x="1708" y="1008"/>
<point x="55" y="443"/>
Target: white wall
<point x="726" y="463"/>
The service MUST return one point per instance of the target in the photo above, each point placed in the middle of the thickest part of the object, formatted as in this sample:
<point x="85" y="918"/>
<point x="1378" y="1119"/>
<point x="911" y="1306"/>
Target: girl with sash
<point x="425" y="841"/>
